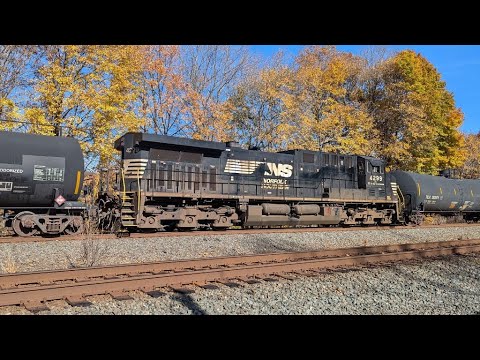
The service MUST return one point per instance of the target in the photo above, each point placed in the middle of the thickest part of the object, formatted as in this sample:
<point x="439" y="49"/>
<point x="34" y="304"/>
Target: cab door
<point x="362" y="173"/>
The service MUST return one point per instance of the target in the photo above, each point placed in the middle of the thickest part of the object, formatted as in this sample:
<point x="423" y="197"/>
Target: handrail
<point x="139" y="192"/>
<point x="402" y="199"/>
<point x="124" y="192"/>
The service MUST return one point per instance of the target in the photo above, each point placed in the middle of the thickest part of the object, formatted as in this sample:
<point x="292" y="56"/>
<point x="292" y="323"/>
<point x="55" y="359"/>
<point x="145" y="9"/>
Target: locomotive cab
<point x="371" y="175"/>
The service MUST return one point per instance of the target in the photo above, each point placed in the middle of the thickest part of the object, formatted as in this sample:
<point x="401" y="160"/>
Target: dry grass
<point x="3" y="229"/>
<point x="10" y="264"/>
<point x="437" y="219"/>
<point x="92" y="252"/>
<point x="434" y="220"/>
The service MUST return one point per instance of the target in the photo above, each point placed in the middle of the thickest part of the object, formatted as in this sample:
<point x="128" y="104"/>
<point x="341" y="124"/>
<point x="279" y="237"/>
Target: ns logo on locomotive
<point x="168" y="183"/>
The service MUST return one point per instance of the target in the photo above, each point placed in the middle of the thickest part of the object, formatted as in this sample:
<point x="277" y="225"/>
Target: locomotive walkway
<point x="34" y="290"/>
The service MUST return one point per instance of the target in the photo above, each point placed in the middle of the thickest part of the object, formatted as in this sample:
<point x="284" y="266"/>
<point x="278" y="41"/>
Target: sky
<point x="459" y="66"/>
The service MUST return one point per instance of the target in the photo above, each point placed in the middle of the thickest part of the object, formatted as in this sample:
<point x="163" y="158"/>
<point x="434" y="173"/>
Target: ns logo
<point x="283" y="170"/>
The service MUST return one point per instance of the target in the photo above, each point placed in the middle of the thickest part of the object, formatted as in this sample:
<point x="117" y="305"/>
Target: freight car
<point x="169" y="182"/>
<point x="40" y="182"/>
<point x="427" y="194"/>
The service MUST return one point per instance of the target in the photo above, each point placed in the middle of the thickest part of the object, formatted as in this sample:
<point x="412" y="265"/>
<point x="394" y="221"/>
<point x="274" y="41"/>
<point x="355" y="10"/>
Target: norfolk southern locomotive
<point x="169" y="182"/>
<point x="176" y="183"/>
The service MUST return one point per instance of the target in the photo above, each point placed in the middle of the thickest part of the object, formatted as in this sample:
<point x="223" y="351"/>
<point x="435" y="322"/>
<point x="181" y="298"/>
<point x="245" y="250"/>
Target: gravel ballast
<point x="31" y="256"/>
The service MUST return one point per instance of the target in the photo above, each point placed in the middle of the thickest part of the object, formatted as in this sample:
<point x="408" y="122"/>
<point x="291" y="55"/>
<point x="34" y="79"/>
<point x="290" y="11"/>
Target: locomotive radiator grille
<point x="134" y="168"/>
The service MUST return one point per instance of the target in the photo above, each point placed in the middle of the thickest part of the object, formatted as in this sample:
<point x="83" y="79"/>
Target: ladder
<point x="127" y="210"/>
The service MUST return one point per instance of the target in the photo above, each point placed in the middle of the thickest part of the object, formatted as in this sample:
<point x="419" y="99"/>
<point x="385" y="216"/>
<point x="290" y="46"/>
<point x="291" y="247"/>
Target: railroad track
<point x="16" y="239"/>
<point x="34" y="290"/>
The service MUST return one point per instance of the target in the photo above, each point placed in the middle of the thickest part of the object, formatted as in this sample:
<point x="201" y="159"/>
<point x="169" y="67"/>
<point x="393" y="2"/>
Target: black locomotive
<point x="169" y="182"/>
<point x="176" y="183"/>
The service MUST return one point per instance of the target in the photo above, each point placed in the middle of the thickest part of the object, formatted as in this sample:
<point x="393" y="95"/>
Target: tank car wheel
<point x="74" y="228"/>
<point x="27" y="228"/>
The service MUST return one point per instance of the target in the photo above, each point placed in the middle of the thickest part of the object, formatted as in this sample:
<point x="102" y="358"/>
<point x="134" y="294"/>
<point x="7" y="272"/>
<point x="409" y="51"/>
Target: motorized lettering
<point x="15" y="171"/>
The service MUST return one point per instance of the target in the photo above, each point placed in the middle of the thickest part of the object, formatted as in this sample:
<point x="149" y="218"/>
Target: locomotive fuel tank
<point x="35" y="169"/>
<point x="437" y="193"/>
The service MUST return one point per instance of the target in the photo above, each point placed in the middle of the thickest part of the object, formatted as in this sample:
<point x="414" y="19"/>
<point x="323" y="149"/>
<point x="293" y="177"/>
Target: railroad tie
<point x="154" y="293"/>
<point x="120" y="295"/>
<point x="286" y="277"/>
<point x="35" y="306"/>
<point x="77" y="301"/>
<point x="183" y="290"/>
<point x="229" y="283"/>
<point x="209" y="286"/>
<point x="248" y="280"/>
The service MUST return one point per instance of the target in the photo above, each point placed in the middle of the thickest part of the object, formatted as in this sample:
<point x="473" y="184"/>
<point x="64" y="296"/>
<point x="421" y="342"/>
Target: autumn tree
<point x="471" y="166"/>
<point x="14" y="65"/>
<point x="211" y="73"/>
<point x="391" y="106"/>
<point x="163" y="91"/>
<point x="86" y="92"/>
<point x="416" y="117"/>
<point x="322" y="110"/>
<point x="258" y="110"/>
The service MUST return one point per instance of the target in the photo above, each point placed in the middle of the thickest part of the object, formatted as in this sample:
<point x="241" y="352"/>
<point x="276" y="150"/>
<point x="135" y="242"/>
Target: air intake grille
<point x="134" y="168"/>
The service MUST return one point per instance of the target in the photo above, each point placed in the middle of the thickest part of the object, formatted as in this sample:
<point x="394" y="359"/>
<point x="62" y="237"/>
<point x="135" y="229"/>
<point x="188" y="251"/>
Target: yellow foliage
<point x="471" y="166"/>
<point x="257" y="110"/>
<point x="397" y="108"/>
<point x="322" y="111"/>
<point x="86" y="91"/>
<point x="414" y="114"/>
<point x="9" y="112"/>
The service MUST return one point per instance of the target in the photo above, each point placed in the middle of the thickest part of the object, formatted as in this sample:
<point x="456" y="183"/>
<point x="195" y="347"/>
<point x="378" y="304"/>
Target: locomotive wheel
<point x="74" y="228"/>
<point x="25" y="229"/>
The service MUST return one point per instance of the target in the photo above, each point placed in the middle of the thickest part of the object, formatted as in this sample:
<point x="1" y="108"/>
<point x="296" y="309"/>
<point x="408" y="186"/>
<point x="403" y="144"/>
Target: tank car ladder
<point x="401" y="206"/>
